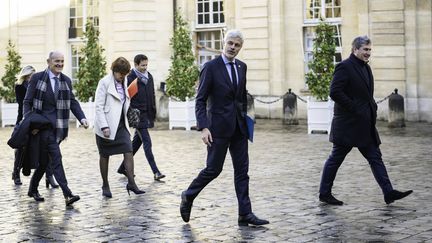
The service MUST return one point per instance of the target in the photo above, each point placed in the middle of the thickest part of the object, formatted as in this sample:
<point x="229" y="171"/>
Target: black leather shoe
<point x="395" y="195"/>
<point x="36" y="196"/>
<point x="250" y="218"/>
<point x="16" y="178"/>
<point x="134" y="189"/>
<point x="330" y="199"/>
<point x="106" y="192"/>
<point x="121" y="170"/>
<point x="50" y="181"/>
<point x="158" y="176"/>
<point x="185" y="207"/>
<point x="69" y="200"/>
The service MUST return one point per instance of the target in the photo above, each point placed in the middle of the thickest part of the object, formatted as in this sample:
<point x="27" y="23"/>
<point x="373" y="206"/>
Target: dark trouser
<point x="372" y="153"/>
<point x="18" y="164"/>
<point x="50" y="149"/>
<point x="142" y="136"/>
<point x="238" y="148"/>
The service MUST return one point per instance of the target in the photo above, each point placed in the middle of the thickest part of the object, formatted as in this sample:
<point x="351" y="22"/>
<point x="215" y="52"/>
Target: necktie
<point x="56" y="87"/>
<point x="233" y="76"/>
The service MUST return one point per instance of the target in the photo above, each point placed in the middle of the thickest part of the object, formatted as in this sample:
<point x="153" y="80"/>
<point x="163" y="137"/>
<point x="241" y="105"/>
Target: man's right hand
<point x="106" y="132"/>
<point x="206" y="137"/>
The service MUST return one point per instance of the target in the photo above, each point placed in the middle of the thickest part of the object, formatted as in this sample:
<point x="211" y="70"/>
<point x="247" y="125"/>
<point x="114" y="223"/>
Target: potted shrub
<point x="9" y="107"/>
<point x="92" y="67"/>
<point x="319" y="77"/>
<point x="182" y="78"/>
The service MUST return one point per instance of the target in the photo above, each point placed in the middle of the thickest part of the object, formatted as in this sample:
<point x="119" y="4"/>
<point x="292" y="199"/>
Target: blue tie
<point x="56" y="87"/>
<point x="233" y="76"/>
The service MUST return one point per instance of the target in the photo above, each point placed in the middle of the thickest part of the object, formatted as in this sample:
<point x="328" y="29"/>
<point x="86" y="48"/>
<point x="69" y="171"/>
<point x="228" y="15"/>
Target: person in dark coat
<point x="50" y="94"/>
<point x="144" y="101"/>
<point x="353" y="125"/>
<point x="220" y="111"/>
<point x="20" y="90"/>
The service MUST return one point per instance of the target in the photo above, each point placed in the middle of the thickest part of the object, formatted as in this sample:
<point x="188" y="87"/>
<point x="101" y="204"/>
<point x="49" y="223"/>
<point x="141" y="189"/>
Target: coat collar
<point x="223" y="70"/>
<point x="358" y="65"/>
<point x="112" y="88"/>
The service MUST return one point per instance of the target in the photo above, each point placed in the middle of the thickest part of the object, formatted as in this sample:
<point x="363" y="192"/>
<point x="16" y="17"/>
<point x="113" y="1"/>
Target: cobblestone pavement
<point x="285" y="167"/>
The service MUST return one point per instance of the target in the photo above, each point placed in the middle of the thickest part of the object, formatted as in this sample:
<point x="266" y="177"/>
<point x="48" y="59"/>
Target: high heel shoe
<point x="134" y="188"/>
<point x="106" y="192"/>
<point x="49" y="181"/>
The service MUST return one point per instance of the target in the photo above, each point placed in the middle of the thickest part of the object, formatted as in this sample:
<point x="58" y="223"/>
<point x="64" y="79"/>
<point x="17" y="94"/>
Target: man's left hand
<point x="84" y="122"/>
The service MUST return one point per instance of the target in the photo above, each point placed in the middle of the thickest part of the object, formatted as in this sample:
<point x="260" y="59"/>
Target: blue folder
<point x="250" y="122"/>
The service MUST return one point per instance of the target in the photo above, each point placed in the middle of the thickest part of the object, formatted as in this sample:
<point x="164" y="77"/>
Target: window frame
<point x="88" y="12"/>
<point x="211" y="12"/>
<point x="208" y="52"/>
<point x="322" y="12"/>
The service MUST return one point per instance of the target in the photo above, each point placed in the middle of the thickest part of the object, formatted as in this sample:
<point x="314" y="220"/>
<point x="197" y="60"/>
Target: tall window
<point x="330" y="11"/>
<point x="82" y="11"/>
<point x="210" y="13"/>
<point x="326" y="9"/>
<point x="75" y="48"/>
<point x="209" y="45"/>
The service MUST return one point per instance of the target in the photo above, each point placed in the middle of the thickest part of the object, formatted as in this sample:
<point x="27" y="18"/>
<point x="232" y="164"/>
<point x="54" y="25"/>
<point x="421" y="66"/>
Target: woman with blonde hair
<point x="20" y="90"/>
<point x="111" y="127"/>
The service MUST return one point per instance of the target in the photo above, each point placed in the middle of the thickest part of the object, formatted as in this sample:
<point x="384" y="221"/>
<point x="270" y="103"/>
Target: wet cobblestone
<point x="285" y="169"/>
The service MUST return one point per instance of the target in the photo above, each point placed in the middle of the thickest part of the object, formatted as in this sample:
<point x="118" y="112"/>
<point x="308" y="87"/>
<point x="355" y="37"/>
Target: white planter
<point x="181" y="114"/>
<point x="9" y="113"/>
<point x="319" y="115"/>
<point x="89" y="111"/>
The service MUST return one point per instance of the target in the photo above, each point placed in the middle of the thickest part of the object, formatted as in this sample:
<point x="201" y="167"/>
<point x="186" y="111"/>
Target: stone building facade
<point x="278" y="39"/>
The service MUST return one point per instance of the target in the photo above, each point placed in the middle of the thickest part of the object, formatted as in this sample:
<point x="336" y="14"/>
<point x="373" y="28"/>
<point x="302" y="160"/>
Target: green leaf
<point x="12" y="69"/>
<point x="92" y="65"/>
<point x="183" y="73"/>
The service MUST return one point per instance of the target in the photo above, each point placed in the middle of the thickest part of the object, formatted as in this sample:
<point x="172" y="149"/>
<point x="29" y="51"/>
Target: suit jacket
<point x="49" y="108"/>
<point x="218" y="107"/>
<point x="144" y="100"/>
<point x="109" y="107"/>
<point x="355" y="110"/>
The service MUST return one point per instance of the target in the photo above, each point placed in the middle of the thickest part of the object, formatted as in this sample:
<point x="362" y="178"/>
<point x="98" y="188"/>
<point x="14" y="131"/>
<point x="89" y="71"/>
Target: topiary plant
<point x="92" y="65"/>
<point x="183" y="72"/>
<point x="321" y="67"/>
<point x="12" y="68"/>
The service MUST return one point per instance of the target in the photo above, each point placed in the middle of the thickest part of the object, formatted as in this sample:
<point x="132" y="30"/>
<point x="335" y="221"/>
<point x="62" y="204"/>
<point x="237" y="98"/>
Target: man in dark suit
<point x="220" y="111"/>
<point x="353" y="124"/>
<point x="50" y="94"/>
<point x="145" y="101"/>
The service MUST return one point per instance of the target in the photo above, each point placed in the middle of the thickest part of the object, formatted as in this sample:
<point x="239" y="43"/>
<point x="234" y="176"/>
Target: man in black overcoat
<point x="353" y="124"/>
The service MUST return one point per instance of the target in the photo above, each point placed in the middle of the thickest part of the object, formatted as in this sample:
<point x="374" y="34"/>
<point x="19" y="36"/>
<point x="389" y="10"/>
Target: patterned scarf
<point x="143" y="76"/>
<point x="62" y="104"/>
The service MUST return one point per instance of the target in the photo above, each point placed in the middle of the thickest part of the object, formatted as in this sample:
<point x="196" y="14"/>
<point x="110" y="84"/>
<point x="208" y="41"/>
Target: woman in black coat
<point x="20" y="90"/>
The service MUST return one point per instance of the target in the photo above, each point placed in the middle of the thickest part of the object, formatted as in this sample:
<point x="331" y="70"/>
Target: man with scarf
<point x="144" y="101"/>
<point x="50" y="94"/>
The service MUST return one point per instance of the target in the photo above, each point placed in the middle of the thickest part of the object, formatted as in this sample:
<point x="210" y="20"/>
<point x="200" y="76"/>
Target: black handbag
<point x="133" y="116"/>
